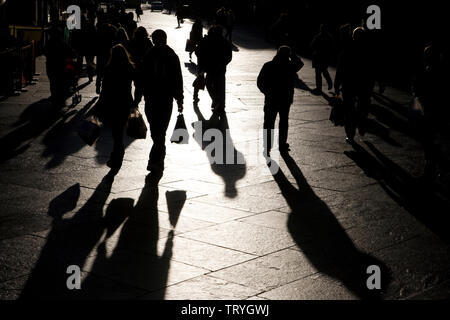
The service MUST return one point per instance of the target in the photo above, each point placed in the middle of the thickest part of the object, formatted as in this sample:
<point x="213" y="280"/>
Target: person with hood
<point x="276" y="81"/>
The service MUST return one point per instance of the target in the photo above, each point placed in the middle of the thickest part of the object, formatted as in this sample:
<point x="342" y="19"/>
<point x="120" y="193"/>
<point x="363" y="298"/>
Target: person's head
<point x="121" y="35"/>
<point x="359" y="34"/>
<point x="283" y="53"/>
<point x="159" y="37"/>
<point x="130" y="16"/>
<point x="215" y="31"/>
<point x="119" y="56"/>
<point x="140" y="34"/>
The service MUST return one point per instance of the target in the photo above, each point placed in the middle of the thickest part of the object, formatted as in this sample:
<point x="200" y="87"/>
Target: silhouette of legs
<point x="319" y="72"/>
<point x="117" y="128"/>
<point x="158" y="115"/>
<point x="270" y="114"/>
<point x="215" y="84"/>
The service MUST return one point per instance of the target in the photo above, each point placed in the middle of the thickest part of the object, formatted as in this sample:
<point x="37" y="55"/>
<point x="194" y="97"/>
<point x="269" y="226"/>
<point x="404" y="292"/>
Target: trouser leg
<point x="158" y="115"/>
<point x="283" y="127"/>
<point x="327" y="77"/>
<point x="318" y="78"/>
<point x="270" y="114"/>
<point x="350" y="115"/>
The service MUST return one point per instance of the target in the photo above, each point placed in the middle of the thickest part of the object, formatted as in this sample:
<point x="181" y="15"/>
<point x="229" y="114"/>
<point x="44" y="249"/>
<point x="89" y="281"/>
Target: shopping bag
<point x="180" y="133"/>
<point x="337" y="114"/>
<point x="189" y="46"/>
<point x="136" y="127"/>
<point x="199" y="83"/>
<point x="89" y="130"/>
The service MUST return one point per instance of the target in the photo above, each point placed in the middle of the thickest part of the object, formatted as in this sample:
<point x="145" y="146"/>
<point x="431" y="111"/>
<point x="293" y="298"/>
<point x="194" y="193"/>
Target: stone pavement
<point x="218" y="231"/>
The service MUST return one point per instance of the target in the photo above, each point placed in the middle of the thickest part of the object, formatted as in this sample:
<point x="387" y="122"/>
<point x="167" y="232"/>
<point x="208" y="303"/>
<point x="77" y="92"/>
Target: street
<point x="219" y="231"/>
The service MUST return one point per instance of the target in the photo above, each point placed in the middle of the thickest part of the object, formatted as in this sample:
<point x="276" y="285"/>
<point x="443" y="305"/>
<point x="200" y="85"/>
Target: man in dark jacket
<point x="160" y="82"/>
<point x="277" y="80"/>
<point x="214" y="54"/>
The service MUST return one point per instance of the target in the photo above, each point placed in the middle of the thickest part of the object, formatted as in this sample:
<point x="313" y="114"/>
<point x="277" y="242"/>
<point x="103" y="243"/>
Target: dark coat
<point x="214" y="53"/>
<point x="277" y="80"/>
<point x="160" y="75"/>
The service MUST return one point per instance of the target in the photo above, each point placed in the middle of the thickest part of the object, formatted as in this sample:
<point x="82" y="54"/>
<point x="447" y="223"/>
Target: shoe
<point x="330" y="87"/>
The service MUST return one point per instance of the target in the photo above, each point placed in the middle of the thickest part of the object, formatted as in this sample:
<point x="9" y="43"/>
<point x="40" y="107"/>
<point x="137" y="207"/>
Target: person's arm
<point x="178" y="93"/>
<point x="262" y="79"/>
<point x="296" y="62"/>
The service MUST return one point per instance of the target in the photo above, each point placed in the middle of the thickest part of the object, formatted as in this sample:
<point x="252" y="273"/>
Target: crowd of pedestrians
<point x="125" y="54"/>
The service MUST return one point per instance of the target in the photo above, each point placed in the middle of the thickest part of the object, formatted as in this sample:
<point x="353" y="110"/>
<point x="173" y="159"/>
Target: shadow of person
<point x="417" y="198"/>
<point x="215" y="139"/>
<point x="37" y="118"/>
<point x="134" y="261"/>
<point x="62" y="140"/>
<point x="69" y="242"/>
<point x="322" y="239"/>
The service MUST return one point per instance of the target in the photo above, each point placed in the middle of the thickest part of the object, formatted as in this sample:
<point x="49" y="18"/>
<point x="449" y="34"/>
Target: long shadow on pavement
<point x="36" y="118"/>
<point x="135" y="259"/>
<point x="215" y="139"/>
<point x="69" y="242"/>
<point x="322" y="239"/>
<point x="421" y="201"/>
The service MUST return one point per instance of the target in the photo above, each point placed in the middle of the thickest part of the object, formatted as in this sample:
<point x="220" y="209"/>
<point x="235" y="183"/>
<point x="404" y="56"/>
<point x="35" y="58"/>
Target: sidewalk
<point x="217" y="231"/>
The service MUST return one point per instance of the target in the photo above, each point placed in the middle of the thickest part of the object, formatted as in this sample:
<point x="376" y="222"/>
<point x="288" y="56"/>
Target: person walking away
<point x="214" y="53"/>
<point x="276" y="81"/>
<point x="196" y="35"/>
<point x="122" y="38"/>
<point x="160" y="82"/>
<point x="59" y="65"/>
<point x="139" y="11"/>
<point x="117" y="100"/>
<point x="430" y="89"/>
<point x="106" y="39"/>
<point x="322" y="48"/>
<point x="355" y="77"/>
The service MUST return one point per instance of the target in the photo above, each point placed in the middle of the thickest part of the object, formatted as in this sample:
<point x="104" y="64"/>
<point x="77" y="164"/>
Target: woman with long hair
<point x="117" y="98"/>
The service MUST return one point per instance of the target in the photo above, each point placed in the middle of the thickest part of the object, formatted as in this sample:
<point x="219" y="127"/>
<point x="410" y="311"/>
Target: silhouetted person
<point x="225" y="19"/>
<point x="180" y="14"/>
<point x="277" y="80"/>
<point x="355" y="76"/>
<point x="280" y="31"/>
<point x="322" y="47"/>
<point x="160" y="82"/>
<point x="139" y="45"/>
<point x="60" y="67"/>
<point x="430" y="88"/>
<point x="122" y="37"/>
<point x="214" y="54"/>
<point x="139" y="11"/>
<point x="130" y="25"/>
<point x="117" y="99"/>
<point x="106" y="39"/>
<point x="84" y="41"/>
<point x="196" y="35"/>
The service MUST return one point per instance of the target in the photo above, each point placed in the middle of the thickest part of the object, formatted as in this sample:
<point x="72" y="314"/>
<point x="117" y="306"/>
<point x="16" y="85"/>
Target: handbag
<point x="199" y="83"/>
<point x="89" y="130"/>
<point x="189" y="46"/>
<point x="337" y="114"/>
<point x="136" y="127"/>
<point x="180" y="133"/>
